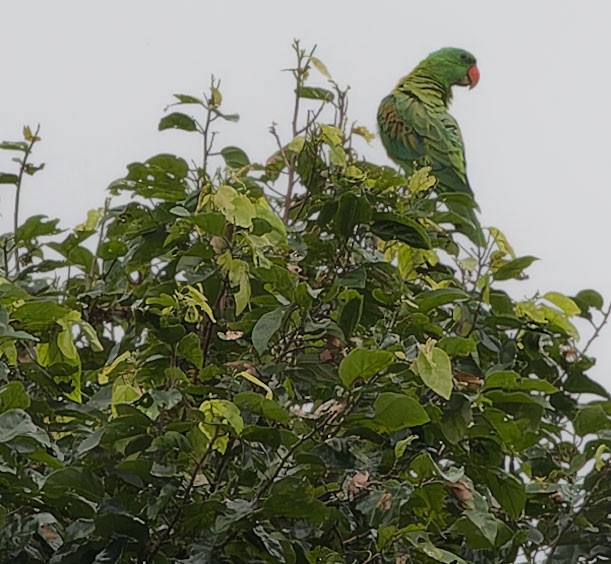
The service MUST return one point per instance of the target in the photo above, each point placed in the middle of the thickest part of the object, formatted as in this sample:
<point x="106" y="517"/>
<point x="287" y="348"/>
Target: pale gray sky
<point x="97" y="76"/>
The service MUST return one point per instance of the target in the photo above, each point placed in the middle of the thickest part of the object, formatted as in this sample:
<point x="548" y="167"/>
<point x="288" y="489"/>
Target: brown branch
<point x="597" y="330"/>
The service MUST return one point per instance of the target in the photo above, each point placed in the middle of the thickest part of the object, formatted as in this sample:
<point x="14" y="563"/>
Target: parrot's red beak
<point x="473" y="74"/>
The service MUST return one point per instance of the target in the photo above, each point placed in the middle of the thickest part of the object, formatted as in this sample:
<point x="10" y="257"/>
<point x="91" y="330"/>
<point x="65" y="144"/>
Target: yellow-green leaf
<point x="363" y="132"/>
<point x="253" y="379"/>
<point x="565" y="303"/>
<point x="320" y="67"/>
<point x="434" y="368"/>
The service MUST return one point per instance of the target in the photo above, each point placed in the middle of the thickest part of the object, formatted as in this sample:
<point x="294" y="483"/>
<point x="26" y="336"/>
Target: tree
<point x="296" y="361"/>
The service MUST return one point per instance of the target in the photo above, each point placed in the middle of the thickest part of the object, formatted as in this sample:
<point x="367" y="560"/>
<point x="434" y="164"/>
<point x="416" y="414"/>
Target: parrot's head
<point x="452" y="66"/>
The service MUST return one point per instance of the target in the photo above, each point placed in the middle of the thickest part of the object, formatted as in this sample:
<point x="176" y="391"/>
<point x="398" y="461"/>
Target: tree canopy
<point x="299" y="361"/>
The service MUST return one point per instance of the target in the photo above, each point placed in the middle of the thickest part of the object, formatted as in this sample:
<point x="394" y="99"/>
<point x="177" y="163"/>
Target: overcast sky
<point x="97" y="76"/>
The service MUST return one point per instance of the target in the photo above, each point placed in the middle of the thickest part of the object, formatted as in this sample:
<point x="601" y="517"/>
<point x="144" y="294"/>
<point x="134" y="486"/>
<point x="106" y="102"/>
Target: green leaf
<point x="395" y="411"/>
<point x="235" y="157"/>
<point x="320" y="67"/>
<point x="268" y="408"/>
<point x="591" y="298"/>
<point x="222" y="411"/>
<point x="351" y="313"/>
<point x="485" y="522"/>
<point x="356" y="278"/>
<point x="228" y="117"/>
<point x="36" y="315"/>
<point x="567" y="305"/>
<point x="509" y="492"/>
<point x="363" y="364"/>
<point x="315" y="93"/>
<point x="112" y="521"/>
<point x="514" y="268"/>
<point x="35" y="226"/>
<point x="13" y="396"/>
<point x="17" y="423"/>
<point x="291" y="497"/>
<point x="352" y="211"/>
<point x="178" y="120"/>
<point x="266" y="327"/>
<point x="6" y="178"/>
<point x="212" y="223"/>
<point x="236" y="207"/>
<point x="591" y="419"/>
<point x="457" y="346"/>
<point x="389" y="226"/>
<point x="83" y="482"/>
<point x="81" y="256"/>
<point x="579" y="383"/>
<point x="188" y="99"/>
<point x="189" y="348"/>
<point x="436" y="298"/>
<point x="510" y="380"/>
<point x="434" y="367"/>
<point x="14" y="146"/>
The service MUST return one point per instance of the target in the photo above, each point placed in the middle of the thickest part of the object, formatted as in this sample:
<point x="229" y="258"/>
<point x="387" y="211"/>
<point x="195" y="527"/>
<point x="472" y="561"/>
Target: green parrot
<point x="417" y="130"/>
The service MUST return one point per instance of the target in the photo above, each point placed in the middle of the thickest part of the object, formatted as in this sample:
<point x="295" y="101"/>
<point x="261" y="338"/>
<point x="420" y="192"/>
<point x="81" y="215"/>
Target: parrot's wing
<point x="412" y="132"/>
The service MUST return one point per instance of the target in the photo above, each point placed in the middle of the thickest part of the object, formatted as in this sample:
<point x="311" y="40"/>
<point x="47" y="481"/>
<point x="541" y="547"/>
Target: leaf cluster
<point x="297" y="361"/>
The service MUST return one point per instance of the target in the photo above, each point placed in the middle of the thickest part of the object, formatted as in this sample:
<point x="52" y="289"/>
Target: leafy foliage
<point x="210" y="373"/>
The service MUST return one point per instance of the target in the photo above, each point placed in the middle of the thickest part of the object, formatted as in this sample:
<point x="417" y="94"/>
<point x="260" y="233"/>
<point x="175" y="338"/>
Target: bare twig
<point x="597" y="329"/>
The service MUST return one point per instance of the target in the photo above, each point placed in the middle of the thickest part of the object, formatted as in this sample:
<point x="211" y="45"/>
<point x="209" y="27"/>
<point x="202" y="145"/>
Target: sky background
<point x="97" y="77"/>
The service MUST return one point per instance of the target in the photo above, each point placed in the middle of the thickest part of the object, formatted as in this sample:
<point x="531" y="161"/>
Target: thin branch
<point x="268" y="483"/>
<point x="166" y="533"/>
<point x="604" y="474"/>
<point x="299" y="73"/>
<point x="597" y="330"/>
<point x="482" y="258"/>
<point x="94" y="263"/>
<point x="34" y="138"/>
<point x="596" y="334"/>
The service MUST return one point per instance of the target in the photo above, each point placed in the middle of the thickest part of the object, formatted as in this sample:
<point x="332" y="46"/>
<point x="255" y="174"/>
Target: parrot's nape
<point x="417" y="130"/>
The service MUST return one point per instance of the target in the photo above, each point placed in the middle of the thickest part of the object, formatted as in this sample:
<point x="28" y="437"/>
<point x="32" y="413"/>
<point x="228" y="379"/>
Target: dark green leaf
<point x="395" y="411"/>
<point x="591" y="419"/>
<point x="514" y="268"/>
<point x="188" y="99"/>
<point x="13" y="396"/>
<point x="457" y="346"/>
<point x="35" y="226"/>
<point x="509" y="492"/>
<point x="314" y="93"/>
<point x="363" y="364"/>
<point x="190" y="349"/>
<point x="390" y="226"/>
<point x="265" y="328"/>
<point x="591" y="298"/>
<point x="235" y="157"/>
<point x="177" y="120"/>
<point x="6" y="178"/>
<point x="350" y="315"/>
<point x="435" y="298"/>
<point x="14" y="146"/>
